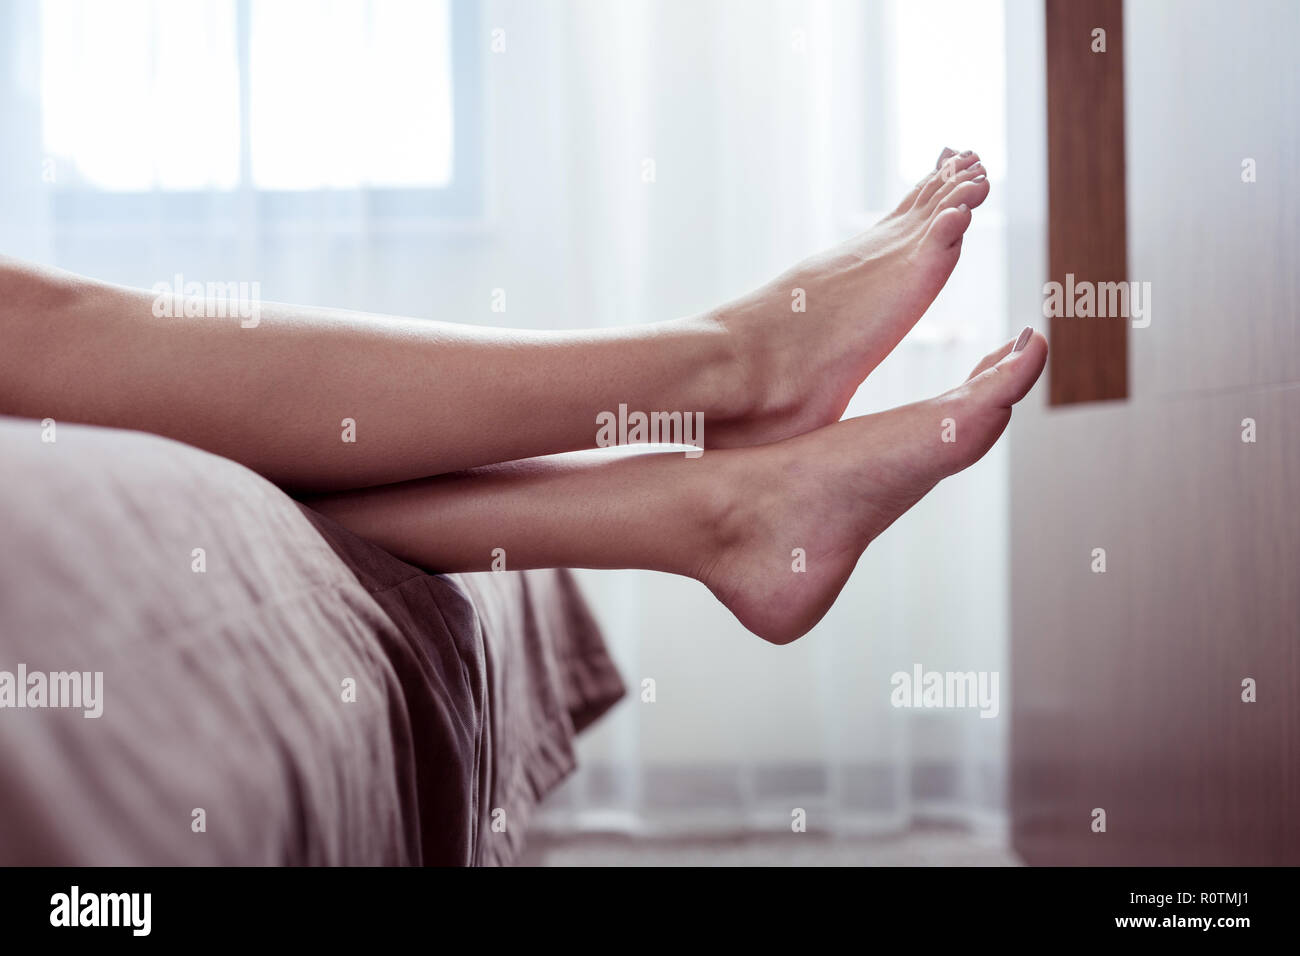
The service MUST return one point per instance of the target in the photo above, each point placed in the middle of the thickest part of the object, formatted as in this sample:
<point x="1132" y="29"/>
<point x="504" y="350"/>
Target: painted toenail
<point x="964" y="208"/>
<point x="1024" y="338"/>
<point x="967" y="153"/>
<point x="979" y="179"/>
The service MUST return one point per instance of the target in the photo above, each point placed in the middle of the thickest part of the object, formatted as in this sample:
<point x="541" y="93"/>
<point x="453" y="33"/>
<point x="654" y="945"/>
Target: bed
<point x="273" y="690"/>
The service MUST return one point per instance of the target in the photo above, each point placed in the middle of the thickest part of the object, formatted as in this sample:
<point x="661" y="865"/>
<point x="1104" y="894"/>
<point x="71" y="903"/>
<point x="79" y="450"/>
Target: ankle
<point x="721" y="510"/>
<point x="720" y="380"/>
<point x="749" y="392"/>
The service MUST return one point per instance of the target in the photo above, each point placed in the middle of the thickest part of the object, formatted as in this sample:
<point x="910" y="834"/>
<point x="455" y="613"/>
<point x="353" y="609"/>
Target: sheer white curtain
<point x="600" y="163"/>
<point x="775" y="129"/>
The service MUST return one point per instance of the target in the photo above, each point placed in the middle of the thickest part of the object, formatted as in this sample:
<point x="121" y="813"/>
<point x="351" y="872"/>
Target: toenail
<point x="979" y="179"/>
<point x="1024" y="338"/>
<point x="967" y="153"/>
<point x="964" y="208"/>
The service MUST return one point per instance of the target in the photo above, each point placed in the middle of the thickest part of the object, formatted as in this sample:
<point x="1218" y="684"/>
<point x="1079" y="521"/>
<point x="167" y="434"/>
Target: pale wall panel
<point x="1126" y="686"/>
<point x="1128" y="683"/>
<point x="1210" y="83"/>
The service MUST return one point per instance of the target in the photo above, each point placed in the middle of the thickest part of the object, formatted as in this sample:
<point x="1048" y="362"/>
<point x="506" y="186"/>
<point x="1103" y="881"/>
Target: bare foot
<point x="800" y="369"/>
<point x="831" y="491"/>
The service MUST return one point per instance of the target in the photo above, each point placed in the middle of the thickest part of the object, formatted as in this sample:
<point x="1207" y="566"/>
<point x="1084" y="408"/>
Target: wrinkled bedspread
<point x="274" y="689"/>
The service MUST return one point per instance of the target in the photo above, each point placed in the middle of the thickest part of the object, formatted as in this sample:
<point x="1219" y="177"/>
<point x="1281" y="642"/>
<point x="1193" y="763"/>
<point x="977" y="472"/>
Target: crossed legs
<point x="475" y="408"/>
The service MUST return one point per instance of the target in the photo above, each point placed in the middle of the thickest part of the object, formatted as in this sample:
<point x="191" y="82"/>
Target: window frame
<point x="462" y="200"/>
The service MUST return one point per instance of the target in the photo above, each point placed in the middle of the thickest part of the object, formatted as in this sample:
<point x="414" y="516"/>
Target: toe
<point x="947" y="228"/>
<point x="977" y="412"/>
<point x="970" y="187"/>
<point x="970" y="194"/>
<point x="954" y="168"/>
<point x="958" y="163"/>
<point x="994" y="357"/>
<point x="949" y="166"/>
<point x="1006" y="381"/>
<point x="953" y="177"/>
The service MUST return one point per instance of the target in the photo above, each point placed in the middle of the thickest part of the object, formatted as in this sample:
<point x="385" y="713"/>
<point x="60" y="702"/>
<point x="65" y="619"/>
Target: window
<point x="200" y="101"/>
<point x="950" y="84"/>
<point x="923" y="89"/>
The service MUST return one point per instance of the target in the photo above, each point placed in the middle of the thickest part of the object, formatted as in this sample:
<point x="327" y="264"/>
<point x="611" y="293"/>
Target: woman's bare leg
<point x="774" y="530"/>
<point x="428" y="397"/>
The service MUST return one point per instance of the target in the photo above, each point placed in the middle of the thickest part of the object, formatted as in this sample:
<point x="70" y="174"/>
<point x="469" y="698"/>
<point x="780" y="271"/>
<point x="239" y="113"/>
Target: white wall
<point x="1128" y="683"/>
